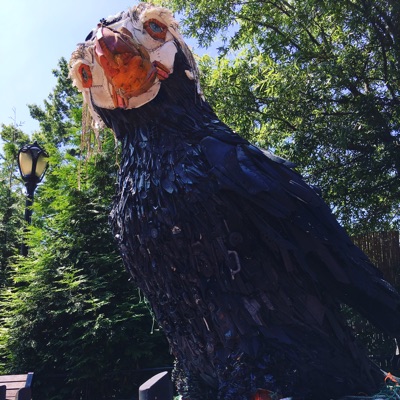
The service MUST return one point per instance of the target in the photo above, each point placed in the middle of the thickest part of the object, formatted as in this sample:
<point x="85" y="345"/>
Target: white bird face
<point x="124" y="60"/>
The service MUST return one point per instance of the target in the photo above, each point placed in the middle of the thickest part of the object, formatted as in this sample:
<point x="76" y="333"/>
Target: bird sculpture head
<point x="125" y="59"/>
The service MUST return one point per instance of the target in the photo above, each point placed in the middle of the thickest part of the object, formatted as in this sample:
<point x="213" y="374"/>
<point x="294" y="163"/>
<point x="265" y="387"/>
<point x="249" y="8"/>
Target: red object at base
<point x="262" y="394"/>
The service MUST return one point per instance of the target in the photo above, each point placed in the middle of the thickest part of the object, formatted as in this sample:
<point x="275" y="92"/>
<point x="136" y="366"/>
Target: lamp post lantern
<point x="32" y="164"/>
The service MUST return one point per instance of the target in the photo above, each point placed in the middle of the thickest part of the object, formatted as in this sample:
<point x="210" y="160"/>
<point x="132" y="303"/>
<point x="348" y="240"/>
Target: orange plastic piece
<point x="86" y="75"/>
<point x="126" y="65"/>
<point x="262" y="394"/>
<point x="161" y="30"/>
<point x="390" y="377"/>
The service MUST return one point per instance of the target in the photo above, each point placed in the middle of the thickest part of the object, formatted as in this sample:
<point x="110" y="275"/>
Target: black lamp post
<point x="32" y="164"/>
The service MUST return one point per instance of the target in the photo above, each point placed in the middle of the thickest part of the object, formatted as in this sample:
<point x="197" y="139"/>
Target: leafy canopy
<point x="318" y="82"/>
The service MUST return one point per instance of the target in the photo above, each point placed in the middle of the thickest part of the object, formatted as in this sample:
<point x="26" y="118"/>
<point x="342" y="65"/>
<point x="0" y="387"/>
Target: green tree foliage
<point x="71" y="315"/>
<point x="62" y="110"/>
<point x="10" y="214"/>
<point x="10" y="198"/>
<point x="317" y="81"/>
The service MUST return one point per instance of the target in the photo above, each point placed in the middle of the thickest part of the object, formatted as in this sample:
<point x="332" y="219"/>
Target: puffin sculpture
<point x="243" y="263"/>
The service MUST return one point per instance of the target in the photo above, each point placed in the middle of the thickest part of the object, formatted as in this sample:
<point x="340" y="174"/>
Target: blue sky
<point x="35" y="35"/>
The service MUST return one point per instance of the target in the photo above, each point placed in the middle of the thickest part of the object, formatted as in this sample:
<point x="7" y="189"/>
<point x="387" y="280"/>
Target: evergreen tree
<point x="10" y="196"/>
<point x="11" y="212"/>
<point x="72" y="316"/>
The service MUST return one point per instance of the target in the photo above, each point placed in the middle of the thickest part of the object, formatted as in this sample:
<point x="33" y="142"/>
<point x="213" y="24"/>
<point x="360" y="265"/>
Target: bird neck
<point x="168" y="134"/>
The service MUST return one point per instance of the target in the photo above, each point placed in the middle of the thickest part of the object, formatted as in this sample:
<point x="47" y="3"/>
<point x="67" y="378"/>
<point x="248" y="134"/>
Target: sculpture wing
<point x="291" y="216"/>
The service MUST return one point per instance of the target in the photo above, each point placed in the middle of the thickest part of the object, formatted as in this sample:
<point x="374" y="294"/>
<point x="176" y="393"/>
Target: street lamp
<point x="32" y="164"/>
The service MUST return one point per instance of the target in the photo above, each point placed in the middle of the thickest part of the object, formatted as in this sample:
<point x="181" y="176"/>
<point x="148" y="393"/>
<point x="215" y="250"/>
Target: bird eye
<point x="156" y="29"/>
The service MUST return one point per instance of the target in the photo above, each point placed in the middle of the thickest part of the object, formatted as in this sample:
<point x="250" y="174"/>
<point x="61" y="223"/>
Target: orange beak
<point x="126" y="64"/>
